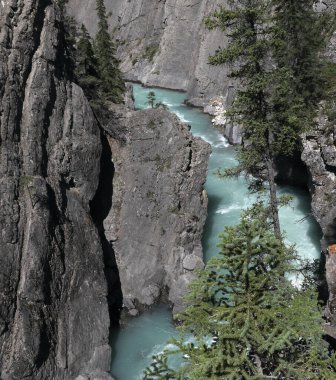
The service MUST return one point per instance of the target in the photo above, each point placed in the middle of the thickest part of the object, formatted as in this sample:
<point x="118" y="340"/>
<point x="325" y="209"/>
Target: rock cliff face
<point x="164" y="43"/>
<point x="54" y="319"/>
<point x="61" y="210"/>
<point x="319" y="154"/>
<point x="159" y="208"/>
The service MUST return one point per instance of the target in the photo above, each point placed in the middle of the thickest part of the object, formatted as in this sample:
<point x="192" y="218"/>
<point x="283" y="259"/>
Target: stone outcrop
<point x="319" y="154"/>
<point x="217" y="107"/>
<point x="61" y="210"/>
<point x="164" y="43"/>
<point x="159" y="206"/>
<point x="54" y="318"/>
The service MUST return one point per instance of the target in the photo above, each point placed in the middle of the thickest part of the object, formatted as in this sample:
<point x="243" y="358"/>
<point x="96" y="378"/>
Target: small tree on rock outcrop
<point x="112" y="86"/>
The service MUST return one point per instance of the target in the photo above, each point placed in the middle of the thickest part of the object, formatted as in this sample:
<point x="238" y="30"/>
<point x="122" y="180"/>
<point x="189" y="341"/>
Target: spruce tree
<point x="299" y="37"/>
<point x="247" y="319"/>
<point x="86" y="61"/>
<point x="86" y="64"/>
<point x="274" y="52"/>
<point x="247" y="26"/>
<point x="112" y="86"/>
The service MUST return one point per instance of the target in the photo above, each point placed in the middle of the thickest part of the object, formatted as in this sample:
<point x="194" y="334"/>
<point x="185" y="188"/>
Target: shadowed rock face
<point x="58" y="277"/>
<point x="319" y="154"/>
<point x="159" y="206"/>
<point x="54" y="318"/>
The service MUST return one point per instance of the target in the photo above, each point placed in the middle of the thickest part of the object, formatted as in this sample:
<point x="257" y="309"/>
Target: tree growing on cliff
<point x="112" y="86"/>
<point x="86" y="64"/>
<point x="247" y="319"/>
<point x="299" y="37"/>
<point x="247" y="26"/>
<point x="277" y="64"/>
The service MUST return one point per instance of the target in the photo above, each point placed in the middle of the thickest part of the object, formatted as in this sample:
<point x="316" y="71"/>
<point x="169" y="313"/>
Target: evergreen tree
<point x="247" y="25"/>
<point x="86" y="64"/>
<point x="151" y="99"/>
<point x="248" y="320"/>
<point x="300" y="35"/>
<point x="86" y="60"/>
<point x="112" y="86"/>
<point x="274" y="50"/>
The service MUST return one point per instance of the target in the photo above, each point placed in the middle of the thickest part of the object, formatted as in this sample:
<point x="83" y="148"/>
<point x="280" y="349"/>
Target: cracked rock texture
<point x="58" y="277"/>
<point x="164" y="43"/>
<point x="159" y="206"/>
<point x="319" y="154"/>
<point x="54" y="319"/>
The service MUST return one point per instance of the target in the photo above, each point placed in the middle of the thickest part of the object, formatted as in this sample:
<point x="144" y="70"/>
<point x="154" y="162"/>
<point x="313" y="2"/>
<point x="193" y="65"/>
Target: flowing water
<point x="147" y="334"/>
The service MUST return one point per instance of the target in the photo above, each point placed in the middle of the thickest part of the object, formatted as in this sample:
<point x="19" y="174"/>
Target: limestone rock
<point x="164" y="43"/>
<point x="54" y="319"/>
<point x="159" y="206"/>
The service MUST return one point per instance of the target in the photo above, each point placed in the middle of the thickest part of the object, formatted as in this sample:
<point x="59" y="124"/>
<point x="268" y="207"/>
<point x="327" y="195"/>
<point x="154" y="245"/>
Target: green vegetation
<point x="164" y="165"/>
<point x="150" y="52"/>
<point x="248" y="320"/>
<point x="86" y="69"/>
<point x="330" y="104"/>
<point x="94" y="63"/>
<point x="275" y="53"/>
<point x="151" y="101"/>
<point x="25" y="180"/>
<point x="151" y="124"/>
<point x="112" y="85"/>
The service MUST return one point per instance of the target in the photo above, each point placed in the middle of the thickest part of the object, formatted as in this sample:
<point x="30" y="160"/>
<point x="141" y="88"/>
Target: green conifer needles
<point x="112" y="84"/>
<point x="247" y="318"/>
<point x="274" y="52"/>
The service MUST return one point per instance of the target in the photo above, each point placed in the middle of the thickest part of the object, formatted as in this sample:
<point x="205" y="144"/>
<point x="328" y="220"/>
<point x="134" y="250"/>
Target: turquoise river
<point x="147" y="335"/>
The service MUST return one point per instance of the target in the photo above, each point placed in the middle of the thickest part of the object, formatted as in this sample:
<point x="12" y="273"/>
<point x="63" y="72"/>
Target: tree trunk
<point x="273" y="196"/>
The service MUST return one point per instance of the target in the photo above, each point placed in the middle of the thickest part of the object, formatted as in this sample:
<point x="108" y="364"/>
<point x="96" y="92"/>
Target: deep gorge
<point x="147" y="335"/>
<point x="102" y="214"/>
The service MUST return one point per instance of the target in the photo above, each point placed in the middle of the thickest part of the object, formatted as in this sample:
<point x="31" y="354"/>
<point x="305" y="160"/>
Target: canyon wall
<point x="66" y="221"/>
<point x="54" y="319"/>
<point x="164" y="43"/>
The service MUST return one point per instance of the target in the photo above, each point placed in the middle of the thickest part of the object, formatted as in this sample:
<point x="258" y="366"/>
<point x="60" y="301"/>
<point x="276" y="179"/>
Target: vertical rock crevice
<point x="54" y="319"/>
<point x="100" y="207"/>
